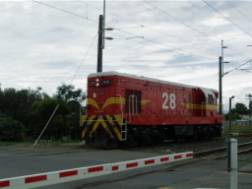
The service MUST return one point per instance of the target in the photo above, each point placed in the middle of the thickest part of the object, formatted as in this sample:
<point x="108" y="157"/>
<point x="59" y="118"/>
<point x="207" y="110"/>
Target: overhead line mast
<point x="101" y="37"/>
<point x="250" y="107"/>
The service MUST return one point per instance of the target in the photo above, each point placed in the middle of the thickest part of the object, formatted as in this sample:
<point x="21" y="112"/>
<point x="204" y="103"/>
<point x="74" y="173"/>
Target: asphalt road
<point x="207" y="173"/>
<point x="17" y="161"/>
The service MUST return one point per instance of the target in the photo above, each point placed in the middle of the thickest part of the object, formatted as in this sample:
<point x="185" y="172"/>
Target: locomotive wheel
<point x="110" y="144"/>
<point x="132" y="141"/>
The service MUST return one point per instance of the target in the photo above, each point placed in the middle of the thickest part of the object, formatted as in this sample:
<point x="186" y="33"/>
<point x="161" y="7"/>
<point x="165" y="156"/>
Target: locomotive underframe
<point x="140" y="135"/>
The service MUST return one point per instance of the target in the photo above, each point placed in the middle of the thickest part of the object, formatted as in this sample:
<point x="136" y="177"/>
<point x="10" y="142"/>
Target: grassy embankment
<point x="43" y="143"/>
<point x="241" y="130"/>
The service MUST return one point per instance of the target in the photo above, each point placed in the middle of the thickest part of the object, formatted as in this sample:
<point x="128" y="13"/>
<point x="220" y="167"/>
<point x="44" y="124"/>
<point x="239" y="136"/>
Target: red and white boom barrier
<point x="55" y="177"/>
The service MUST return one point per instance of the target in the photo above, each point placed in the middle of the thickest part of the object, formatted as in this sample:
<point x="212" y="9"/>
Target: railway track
<point x="221" y="151"/>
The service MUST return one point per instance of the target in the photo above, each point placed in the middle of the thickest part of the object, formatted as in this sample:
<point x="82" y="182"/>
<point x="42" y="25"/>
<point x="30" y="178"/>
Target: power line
<point x="163" y="45"/>
<point x="84" y="59"/>
<point x="226" y="18"/>
<point x="89" y="5"/>
<point x="64" y="10"/>
<point x="121" y="30"/>
<point x="239" y="66"/>
<point x="183" y="23"/>
<point x="174" y="18"/>
<point x="242" y="14"/>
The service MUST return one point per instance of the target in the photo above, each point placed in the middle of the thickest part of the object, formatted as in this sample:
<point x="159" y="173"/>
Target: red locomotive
<point x="124" y="108"/>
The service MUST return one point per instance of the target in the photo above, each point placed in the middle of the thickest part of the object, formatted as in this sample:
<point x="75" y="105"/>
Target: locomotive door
<point x="199" y="103"/>
<point x="133" y="102"/>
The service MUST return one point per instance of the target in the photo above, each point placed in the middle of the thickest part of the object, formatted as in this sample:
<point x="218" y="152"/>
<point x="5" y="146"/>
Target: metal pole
<point x="100" y="44"/>
<point x="234" y="164"/>
<point x="104" y="23"/>
<point x="222" y="49"/>
<point x="229" y="131"/>
<point x="229" y="116"/>
<point x="220" y="84"/>
<point x="46" y="125"/>
<point x="250" y="108"/>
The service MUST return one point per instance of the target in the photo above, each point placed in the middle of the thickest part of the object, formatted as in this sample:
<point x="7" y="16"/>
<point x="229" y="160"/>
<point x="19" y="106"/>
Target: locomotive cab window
<point x="133" y="102"/>
<point x="210" y="99"/>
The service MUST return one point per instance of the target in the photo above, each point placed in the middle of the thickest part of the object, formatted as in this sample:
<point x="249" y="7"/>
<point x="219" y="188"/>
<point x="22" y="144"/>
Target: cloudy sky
<point x="46" y="43"/>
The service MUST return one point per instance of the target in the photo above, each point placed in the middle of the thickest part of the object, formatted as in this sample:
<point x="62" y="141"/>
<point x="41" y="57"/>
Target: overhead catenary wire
<point x="235" y="9"/>
<point x="172" y="49"/>
<point x="129" y="33"/>
<point x="238" y="67"/>
<point x="64" y="10"/>
<point x="174" y="18"/>
<point x="227" y="18"/>
<point x="84" y="58"/>
<point x="180" y="50"/>
<point x="202" y="34"/>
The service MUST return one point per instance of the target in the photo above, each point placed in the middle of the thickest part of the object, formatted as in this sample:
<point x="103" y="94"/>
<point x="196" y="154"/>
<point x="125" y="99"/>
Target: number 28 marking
<point x="169" y="101"/>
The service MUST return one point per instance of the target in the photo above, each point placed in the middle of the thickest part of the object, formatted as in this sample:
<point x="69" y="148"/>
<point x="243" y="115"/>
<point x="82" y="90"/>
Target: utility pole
<point x="101" y="37"/>
<point x="221" y="74"/>
<point x="220" y="84"/>
<point x="250" y="108"/>
<point x="100" y="44"/>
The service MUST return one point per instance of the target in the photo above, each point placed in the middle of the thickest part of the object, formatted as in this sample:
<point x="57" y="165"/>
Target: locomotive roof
<point x="113" y="73"/>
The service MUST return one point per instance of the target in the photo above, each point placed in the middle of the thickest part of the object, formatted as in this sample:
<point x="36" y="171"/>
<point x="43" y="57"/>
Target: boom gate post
<point x="233" y="164"/>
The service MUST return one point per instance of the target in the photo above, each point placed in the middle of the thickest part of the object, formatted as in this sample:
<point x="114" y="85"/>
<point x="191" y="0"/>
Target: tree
<point x="68" y="93"/>
<point x="250" y="105"/>
<point x="28" y="110"/>
<point x="42" y="110"/>
<point x="10" y="129"/>
<point x="240" y="108"/>
<point x="233" y="115"/>
<point x="72" y="98"/>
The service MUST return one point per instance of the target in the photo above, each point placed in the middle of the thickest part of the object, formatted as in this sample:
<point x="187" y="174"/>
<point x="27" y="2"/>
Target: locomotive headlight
<point x="97" y="82"/>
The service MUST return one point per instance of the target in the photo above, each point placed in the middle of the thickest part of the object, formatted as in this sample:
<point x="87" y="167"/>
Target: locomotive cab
<point x="103" y="122"/>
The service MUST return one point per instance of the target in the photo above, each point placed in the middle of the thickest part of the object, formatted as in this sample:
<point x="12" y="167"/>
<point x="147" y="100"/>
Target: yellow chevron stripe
<point x="118" y="133"/>
<point x="112" y="122"/>
<point x="105" y="126"/>
<point x="199" y="106"/>
<point x="119" y="119"/>
<point x="83" y="133"/>
<point x="113" y="100"/>
<point x="91" y="120"/>
<point x="93" y="103"/>
<point x="83" y="119"/>
<point x="95" y="126"/>
<point x="144" y="102"/>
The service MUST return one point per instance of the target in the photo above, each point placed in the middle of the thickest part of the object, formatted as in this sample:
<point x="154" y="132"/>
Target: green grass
<point x="241" y="130"/>
<point x="43" y="143"/>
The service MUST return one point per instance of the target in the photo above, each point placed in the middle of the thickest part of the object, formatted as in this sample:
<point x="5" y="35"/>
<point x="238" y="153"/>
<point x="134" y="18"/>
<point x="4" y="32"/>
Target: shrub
<point x="10" y="129"/>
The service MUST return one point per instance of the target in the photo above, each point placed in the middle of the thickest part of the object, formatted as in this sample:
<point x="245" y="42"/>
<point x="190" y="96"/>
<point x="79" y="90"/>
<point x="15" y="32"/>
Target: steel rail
<point x="223" y="149"/>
